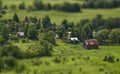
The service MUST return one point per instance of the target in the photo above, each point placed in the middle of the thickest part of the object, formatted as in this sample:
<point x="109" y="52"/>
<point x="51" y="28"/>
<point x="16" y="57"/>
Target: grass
<point x="57" y="16"/>
<point x="30" y="2"/>
<point x="74" y="59"/>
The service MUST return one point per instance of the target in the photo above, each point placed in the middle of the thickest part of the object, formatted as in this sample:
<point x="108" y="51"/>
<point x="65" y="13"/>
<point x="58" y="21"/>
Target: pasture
<point x="58" y="16"/>
<point x="70" y="59"/>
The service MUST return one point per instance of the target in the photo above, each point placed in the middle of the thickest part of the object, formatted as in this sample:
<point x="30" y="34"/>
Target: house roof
<point x="74" y="38"/>
<point x="21" y="33"/>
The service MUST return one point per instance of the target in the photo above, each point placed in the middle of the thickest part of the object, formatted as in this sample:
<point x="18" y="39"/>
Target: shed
<point x="20" y="34"/>
<point x="74" y="40"/>
<point x="91" y="44"/>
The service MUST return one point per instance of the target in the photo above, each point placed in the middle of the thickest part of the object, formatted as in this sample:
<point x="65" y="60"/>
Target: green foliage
<point x="22" y="6"/>
<point x="20" y="67"/>
<point x="101" y="3"/>
<point x="109" y="58"/>
<point x="16" y="18"/>
<point x="46" y="23"/>
<point x="13" y="7"/>
<point x="9" y="62"/>
<point x="1" y="40"/>
<point x="32" y="33"/>
<point x="102" y="36"/>
<point x="40" y="48"/>
<point x="50" y="37"/>
<point x="87" y="31"/>
<point x="5" y="32"/>
<point x="38" y="4"/>
<point x="11" y="50"/>
<point x="114" y="36"/>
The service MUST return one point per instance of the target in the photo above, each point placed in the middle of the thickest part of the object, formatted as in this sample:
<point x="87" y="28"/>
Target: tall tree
<point x="38" y="4"/>
<point x="16" y="18"/>
<point x="46" y="22"/>
<point x="102" y="36"/>
<point x="32" y="33"/>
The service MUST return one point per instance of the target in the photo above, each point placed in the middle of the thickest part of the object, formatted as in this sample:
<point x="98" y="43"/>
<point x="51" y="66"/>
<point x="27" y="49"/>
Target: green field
<point x="57" y="16"/>
<point x="29" y="2"/>
<point x="73" y="60"/>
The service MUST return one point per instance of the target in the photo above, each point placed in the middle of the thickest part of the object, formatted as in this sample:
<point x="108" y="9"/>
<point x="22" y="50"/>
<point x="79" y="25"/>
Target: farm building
<point x="20" y="34"/>
<point x="74" y="40"/>
<point x="91" y="44"/>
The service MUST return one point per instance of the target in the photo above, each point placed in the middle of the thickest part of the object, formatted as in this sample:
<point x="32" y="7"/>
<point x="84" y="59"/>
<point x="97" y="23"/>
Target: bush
<point x="109" y="58"/>
<point x="11" y="50"/>
<point x="57" y="60"/>
<point x="22" y="6"/>
<point x="21" y="67"/>
<point x="10" y="62"/>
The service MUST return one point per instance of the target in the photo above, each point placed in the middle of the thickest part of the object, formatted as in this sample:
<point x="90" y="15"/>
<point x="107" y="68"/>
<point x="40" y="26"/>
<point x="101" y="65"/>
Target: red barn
<point x="91" y="44"/>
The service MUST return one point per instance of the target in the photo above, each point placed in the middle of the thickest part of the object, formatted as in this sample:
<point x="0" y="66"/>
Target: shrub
<point x="20" y="67"/>
<point x="101" y="69"/>
<point x="47" y="63"/>
<point x="57" y="60"/>
<point x="22" y="6"/>
<point x="109" y="58"/>
<point x="73" y="59"/>
<point x="10" y="62"/>
<point x="11" y="50"/>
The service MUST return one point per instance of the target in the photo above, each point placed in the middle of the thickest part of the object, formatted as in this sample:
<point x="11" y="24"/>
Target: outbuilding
<point x="20" y="34"/>
<point x="91" y="44"/>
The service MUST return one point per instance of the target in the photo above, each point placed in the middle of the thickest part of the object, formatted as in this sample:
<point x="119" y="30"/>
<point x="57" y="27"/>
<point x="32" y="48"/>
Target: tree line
<point x="66" y="6"/>
<point x="101" y="3"/>
<point x="85" y="29"/>
<point x="39" y="5"/>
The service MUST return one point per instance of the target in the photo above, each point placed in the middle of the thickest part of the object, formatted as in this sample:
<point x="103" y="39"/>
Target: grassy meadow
<point x="71" y="59"/>
<point x="58" y="16"/>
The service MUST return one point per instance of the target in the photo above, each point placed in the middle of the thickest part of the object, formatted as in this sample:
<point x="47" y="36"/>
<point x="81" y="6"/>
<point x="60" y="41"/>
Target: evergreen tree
<point x="32" y="33"/>
<point x="16" y="18"/>
<point x="22" y="6"/>
<point x="38" y="4"/>
<point x="46" y="22"/>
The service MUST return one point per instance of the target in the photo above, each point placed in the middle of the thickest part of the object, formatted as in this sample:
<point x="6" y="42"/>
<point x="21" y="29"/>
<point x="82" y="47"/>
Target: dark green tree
<point x="16" y="18"/>
<point x="32" y="33"/>
<point x="46" y="23"/>
<point x="102" y="36"/>
<point x="1" y="40"/>
<point x="50" y="37"/>
<point x="5" y="33"/>
<point x="22" y="6"/>
<point x="114" y="36"/>
<point x="38" y="4"/>
<point x="86" y="32"/>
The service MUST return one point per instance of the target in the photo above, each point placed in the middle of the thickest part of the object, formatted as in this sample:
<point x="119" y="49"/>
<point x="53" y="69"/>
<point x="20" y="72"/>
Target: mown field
<point x="58" y="16"/>
<point x="70" y="59"/>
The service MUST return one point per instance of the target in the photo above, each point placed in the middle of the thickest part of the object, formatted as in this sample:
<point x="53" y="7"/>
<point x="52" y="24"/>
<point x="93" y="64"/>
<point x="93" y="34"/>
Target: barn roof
<point x="74" y="38"/>
<point x="21" y="33"/>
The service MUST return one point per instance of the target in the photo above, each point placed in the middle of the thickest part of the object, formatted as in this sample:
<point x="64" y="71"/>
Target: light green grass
<point x="57" y="16"/>
<point x="30" y="2"/>
<point x="69" y="51"/>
